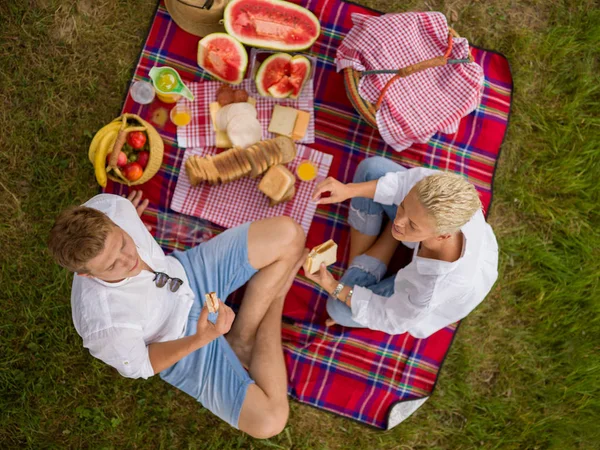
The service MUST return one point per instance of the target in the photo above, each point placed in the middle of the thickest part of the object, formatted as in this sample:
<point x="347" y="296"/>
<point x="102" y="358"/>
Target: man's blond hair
<point x="78" y="235"/>
<point x="450" y="199"/>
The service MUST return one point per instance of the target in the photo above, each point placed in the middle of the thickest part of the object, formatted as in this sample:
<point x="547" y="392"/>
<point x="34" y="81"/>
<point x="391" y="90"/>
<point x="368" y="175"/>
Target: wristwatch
<point x="337" y="290"/>
<point x="349" y="297"/>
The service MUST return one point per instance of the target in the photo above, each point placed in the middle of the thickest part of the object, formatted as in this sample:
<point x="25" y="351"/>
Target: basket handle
<point x="418" y="67"/>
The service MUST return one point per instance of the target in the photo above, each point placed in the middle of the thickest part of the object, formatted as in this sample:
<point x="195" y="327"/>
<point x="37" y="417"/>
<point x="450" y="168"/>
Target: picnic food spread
<point x="282" y="75"/>
<point x="326" y="253"/>
<point x="272" y="24"/>
<point x="212" y="302"/>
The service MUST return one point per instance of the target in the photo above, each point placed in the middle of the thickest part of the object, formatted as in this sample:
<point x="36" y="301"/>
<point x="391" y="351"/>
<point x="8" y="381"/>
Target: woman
<point x="438" y="214"/>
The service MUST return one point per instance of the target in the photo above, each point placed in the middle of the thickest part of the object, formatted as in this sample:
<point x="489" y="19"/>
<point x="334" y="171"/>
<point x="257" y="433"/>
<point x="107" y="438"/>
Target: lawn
<point x="524" y="370"/>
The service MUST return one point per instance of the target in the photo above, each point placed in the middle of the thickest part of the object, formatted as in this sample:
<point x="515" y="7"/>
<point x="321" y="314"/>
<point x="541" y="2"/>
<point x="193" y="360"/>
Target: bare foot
<point x="242" y="350"/>
<point x="330" y="322"/>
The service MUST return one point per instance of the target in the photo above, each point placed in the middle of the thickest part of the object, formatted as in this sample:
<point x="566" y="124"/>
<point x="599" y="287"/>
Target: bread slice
<point x="287" y="147"/>
<point x="192" y="171"/>
<point x="324" y="253"/>
<point x="276" y="182"/>
<point x="286" y="198"/>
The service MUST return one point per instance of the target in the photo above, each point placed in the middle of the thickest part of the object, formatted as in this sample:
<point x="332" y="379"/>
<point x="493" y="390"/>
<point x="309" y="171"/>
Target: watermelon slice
<point x="272" y="24"/>
<point x="223" y="57"/>
<point x="271" y="71"/>
<point x="299" y="72"/>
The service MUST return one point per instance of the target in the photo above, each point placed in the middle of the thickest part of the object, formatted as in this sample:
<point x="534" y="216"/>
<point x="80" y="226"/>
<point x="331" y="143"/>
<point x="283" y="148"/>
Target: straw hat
<point x="198" y="17"/>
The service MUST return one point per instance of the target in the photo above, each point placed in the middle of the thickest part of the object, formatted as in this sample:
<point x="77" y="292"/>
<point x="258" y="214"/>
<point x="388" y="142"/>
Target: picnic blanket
<point x="238" y="202"/>
<point x="359" y="374"/>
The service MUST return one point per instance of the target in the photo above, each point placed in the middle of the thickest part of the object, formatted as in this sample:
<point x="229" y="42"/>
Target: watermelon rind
<point x="263" y="69"/>
<point x="203" y="44"/>
<point x="299" y="59"/>
<point x="265" y="42"/>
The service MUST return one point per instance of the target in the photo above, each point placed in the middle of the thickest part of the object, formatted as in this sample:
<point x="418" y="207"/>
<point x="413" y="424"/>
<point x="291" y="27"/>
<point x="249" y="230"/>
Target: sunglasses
<point x="161" y="278"/>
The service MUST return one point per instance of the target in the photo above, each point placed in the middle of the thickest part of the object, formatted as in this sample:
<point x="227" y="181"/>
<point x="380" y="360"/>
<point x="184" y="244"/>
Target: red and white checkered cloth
<point x="416" y="107"/>
<point x="240" y="201"/>
<point x="199" y="132"/>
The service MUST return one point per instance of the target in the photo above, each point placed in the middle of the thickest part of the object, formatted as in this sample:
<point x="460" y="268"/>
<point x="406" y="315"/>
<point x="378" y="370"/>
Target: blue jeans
<point x="366" y="216"/>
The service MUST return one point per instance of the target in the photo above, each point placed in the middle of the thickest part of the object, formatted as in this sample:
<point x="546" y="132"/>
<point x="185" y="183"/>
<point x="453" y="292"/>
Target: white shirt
<point x="117" y="321"/>
<point x="429" y="294"/>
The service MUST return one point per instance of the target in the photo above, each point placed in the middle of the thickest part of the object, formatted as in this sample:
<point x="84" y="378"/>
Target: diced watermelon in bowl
<point x="280" y="75"/>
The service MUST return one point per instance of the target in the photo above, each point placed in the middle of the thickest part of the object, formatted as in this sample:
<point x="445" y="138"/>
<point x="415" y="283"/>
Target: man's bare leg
<point x="265" y="409"/>
<point x="274" y="246"/>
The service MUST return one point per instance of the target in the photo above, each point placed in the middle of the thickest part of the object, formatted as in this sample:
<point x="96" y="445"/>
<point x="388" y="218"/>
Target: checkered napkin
<point x="238" y="202"/>
<point x="417" y="106"/>
<point x="200" y="133"/>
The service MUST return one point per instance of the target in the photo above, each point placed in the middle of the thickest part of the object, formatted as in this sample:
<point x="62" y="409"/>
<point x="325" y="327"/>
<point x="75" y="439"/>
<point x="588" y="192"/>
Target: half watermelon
<point x="282" y="76"/>
<point x="272" y="24"/>
<point x="223" y="57"/>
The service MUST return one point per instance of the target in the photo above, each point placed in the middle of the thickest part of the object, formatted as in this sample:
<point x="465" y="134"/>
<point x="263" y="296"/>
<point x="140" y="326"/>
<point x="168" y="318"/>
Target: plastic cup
<point x="306" y="170"/>
<point x="181" y="115"/>
<point x="142" y="92"/>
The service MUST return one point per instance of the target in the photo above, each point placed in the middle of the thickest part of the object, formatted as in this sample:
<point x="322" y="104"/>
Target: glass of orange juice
<point x="181" y="114"/>
<point x="306" y="170"/>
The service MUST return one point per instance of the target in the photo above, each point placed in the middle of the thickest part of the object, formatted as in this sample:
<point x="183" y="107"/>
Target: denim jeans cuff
<point x="370" y="265"/>
<point x="369" y="224"/>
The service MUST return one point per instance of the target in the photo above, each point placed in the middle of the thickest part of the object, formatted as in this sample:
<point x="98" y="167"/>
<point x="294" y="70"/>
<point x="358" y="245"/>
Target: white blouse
<point x="117" y="321"/>
<point x="429" y="294"/>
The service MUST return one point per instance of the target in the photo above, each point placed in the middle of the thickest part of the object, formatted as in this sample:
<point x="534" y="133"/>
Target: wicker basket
<point x="155" y="149"/>
<point x="367" y="110"/>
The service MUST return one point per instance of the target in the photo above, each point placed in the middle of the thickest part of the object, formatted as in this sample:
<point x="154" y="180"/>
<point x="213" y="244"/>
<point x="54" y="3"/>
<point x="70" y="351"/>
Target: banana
<point x="105" y="146"/>
<point x="113" y="126"/>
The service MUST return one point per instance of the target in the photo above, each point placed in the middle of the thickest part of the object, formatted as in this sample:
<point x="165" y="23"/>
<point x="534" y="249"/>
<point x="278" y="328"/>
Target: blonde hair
<point x="450" y="199"/>
<point x="78" y="235"/>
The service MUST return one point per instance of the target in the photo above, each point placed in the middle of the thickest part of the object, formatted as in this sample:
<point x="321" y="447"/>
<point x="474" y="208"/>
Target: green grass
<point x="524" y="370"/>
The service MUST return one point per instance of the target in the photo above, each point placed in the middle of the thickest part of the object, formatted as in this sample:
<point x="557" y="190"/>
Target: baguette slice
<point x="324" y="253"/>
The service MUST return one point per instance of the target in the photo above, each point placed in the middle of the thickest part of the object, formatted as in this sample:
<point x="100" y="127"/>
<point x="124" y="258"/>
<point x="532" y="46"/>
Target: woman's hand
<point x="322" y="277"/>
<point x="338" y="191"/>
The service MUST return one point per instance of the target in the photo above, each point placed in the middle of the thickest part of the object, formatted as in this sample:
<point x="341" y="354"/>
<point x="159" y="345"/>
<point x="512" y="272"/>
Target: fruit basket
<point x="258" y="57"/>
<point x="105" y="150"/>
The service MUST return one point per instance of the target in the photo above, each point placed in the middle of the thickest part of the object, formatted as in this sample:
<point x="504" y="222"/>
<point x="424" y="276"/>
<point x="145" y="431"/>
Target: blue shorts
<point x="213" y="374"/>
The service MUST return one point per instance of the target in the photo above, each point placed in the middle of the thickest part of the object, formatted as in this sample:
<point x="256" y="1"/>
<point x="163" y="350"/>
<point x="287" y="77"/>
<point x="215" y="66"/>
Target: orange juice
<point x="306" y="171"/>
<point x="166" y="82"/>
<point x="181" y="115"/>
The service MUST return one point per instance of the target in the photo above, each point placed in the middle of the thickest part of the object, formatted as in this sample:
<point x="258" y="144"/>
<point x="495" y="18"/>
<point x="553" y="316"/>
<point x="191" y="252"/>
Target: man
<point x="439" y="216"/>
<point x="144" y="313"/>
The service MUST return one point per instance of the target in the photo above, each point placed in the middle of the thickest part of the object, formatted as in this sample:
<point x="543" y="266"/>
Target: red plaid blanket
<point x="235" y="203"/>
<point x="356" y="373"/>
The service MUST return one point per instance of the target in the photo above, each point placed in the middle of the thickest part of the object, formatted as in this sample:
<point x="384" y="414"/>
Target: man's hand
<point x="323" y="278"/>
<point x="135" y="197"/>
<point x="207" y="331"/>
<point x="338" y="191"/>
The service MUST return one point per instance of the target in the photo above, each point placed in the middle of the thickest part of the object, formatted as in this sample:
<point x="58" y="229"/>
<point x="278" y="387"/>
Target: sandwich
<point x="212" y="302"/>
<point x="324" y="253"/>
<point x="277" y="184"/>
